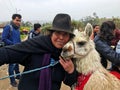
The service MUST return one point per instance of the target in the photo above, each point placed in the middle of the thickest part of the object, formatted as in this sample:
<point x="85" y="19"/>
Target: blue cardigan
<point x="10" y="37"/>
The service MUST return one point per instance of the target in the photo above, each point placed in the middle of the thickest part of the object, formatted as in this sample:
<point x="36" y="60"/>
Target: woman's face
<point x="59" y="39"/>
<point x="96" y="29"/>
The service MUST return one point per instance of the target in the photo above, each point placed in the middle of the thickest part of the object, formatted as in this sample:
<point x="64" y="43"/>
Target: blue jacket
<point x="106" y="52"/>
<point x="10" y="35"/>
<point x="32" y="34"/>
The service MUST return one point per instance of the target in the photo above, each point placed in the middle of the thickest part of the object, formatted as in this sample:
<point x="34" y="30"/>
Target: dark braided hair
<point x="106" y="30"/>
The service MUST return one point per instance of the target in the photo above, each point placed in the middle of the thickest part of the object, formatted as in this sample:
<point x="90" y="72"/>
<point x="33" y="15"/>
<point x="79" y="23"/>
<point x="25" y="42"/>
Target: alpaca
<point x="92" y="75"/>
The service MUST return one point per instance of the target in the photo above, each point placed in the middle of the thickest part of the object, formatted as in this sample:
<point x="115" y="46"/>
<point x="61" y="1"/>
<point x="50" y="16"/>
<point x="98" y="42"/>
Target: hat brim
<point x="62" y="30"/>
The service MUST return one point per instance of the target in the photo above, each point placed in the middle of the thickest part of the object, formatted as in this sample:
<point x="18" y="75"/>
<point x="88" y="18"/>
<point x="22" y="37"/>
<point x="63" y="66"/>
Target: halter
<point x="75" y="53"/>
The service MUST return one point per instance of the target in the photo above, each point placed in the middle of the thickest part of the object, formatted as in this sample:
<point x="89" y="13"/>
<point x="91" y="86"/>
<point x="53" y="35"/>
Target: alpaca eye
<point x="81" y="43"/>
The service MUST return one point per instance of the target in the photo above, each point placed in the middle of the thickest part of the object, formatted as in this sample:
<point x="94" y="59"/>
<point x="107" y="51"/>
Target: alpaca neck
<point x="88" y="63"/>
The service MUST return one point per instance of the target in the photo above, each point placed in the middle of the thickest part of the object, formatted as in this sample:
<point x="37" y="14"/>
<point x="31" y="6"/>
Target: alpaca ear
<point x="88" y="29"/>
<point x="76" y="31"/>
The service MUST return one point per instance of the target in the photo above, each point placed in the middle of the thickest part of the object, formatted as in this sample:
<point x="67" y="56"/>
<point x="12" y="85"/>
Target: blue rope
<point x="52" y="63"/>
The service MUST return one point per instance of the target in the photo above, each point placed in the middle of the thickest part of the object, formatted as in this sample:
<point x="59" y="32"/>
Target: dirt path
<point x="5" y="84"/>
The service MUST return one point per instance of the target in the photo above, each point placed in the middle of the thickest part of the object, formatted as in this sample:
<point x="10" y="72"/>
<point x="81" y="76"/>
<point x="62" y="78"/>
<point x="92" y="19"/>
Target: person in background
<point x="96" y="29"/>
<point x="11" y="36"/>
<point x="35" y="32"/>
<point x="37" y="52"/>
<point x="116" y="38"/>
<point x="115" y="43"/>
<point x="103" y="44"/>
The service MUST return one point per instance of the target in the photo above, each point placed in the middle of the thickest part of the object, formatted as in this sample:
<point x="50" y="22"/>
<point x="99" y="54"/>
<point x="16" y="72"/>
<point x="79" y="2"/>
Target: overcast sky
<point x="45" y="10"/>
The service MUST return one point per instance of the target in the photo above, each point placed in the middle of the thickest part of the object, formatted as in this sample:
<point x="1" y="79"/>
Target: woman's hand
<point x="67" y="65"/>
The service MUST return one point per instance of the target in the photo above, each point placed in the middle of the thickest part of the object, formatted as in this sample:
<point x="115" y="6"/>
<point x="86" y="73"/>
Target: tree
<point x="91" y="19"/>
<point x="117" y="22"/>
<point x="77" y="24"/>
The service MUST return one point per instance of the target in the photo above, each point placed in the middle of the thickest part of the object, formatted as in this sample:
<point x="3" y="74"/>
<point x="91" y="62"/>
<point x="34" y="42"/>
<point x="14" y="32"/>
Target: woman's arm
<point x="11" y="56"/>
<point x="71" y="73"/>
<point x="70" y="79"/>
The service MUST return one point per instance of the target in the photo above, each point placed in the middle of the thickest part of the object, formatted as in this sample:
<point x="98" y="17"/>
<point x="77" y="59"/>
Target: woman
<point x="103" y="44"/>
<point x="38" y="51"/>
<point x="96" y="29"/>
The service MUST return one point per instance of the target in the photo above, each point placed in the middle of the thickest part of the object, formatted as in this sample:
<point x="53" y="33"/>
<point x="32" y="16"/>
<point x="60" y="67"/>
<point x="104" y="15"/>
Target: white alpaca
<point x="87" y="62"/>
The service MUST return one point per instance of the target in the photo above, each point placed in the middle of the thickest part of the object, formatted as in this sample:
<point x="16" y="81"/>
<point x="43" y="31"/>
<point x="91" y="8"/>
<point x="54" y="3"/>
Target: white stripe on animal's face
<point x="76" y="48"/>
<point x="81" y="49"/>
<point x="68" y="50"/>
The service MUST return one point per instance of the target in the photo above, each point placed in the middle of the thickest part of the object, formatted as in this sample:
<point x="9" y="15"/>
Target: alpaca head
<point x="81" y="44"/>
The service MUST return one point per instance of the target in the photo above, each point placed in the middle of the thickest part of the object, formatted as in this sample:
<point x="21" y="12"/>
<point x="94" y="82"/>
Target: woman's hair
<point x="95" y="25"/>
<point x="106" y="30"/>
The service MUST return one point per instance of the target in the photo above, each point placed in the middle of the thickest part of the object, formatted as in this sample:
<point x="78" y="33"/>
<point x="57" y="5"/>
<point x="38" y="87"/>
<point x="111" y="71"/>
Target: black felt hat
<point x="62" y="22"/>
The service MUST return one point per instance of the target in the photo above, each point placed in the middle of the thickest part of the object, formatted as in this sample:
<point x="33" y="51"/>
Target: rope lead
<point x="52" y="63"/>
